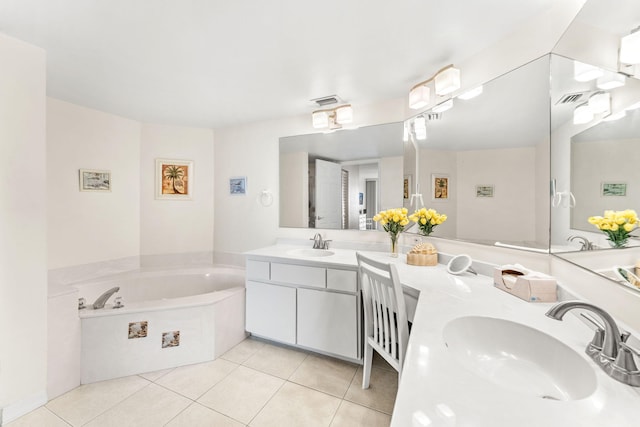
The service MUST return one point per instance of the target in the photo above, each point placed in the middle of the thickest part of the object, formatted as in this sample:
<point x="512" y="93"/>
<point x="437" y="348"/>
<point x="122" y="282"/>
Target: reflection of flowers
<point x="393" y="221"/>
<point x="617" y="225"/>
<point x="427" y="219"/>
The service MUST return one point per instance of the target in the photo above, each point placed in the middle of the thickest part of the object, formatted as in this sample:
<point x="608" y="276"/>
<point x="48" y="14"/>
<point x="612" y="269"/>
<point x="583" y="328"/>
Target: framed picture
<point x="614" y="189"/>
<point x="484" y="190"/>
<point x="407" y="187"/>
<point x="440" y="186"/>
<point x="238" y="185"/>
<point x="361" y="198"/>
<point x="174" y="179"/>
<point x="95" y="180"/>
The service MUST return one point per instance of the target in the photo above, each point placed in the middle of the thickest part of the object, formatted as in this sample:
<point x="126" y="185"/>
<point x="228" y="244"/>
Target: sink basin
<point x="312" y="253"/>
<point x="519" y="358"/>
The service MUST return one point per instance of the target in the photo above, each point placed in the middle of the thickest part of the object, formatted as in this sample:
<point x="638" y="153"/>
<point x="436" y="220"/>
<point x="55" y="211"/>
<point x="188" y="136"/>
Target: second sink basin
<point x="306" y="252"/>
<point x="519" y="358"/>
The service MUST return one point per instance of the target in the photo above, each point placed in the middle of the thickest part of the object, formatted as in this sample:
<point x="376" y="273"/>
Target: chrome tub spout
<point x="102" y="299"/>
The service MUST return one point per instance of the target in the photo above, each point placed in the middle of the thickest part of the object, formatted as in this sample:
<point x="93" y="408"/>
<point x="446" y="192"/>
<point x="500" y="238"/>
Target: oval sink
<point x="306" y="252"/>
<point x="519" y="358"/>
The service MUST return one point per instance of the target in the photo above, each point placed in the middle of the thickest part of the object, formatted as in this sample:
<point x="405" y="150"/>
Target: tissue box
<point x="526" y="284"/>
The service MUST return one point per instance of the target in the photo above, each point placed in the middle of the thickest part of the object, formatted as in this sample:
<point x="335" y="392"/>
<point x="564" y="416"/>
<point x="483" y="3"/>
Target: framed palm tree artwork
<point x="174" y="179"/>
<point x="440" y="184"/>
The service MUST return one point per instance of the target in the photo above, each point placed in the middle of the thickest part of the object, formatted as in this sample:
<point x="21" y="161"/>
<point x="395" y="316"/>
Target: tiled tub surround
<point x="192" y="315"/>
<point x="436" y="390"/>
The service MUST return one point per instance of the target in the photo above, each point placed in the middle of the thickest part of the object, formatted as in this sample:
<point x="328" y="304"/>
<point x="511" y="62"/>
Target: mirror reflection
<point x="485" y="161"/>
<point x="341" y="179"/>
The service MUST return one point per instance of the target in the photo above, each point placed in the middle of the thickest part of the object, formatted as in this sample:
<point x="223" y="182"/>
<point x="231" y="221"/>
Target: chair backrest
<point x="385" y="314"/>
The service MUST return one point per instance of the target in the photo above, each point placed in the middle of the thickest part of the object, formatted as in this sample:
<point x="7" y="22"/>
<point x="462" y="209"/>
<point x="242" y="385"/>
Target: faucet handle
<point x="325" y="244"/>
<point x="624" y="360"/>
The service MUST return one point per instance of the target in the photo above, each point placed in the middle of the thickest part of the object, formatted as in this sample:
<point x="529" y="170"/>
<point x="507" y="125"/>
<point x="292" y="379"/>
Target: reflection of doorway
<point x="328" y="192"/>
<point x="371" y="202"/>
<point x="345" y="199"/>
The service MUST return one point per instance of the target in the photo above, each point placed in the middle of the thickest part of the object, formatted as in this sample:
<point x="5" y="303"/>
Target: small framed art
<point x="95" y="180"/>
<point x="174" y="179"/>
<point x="484" y="190"/>
<point x="238" y="185"/>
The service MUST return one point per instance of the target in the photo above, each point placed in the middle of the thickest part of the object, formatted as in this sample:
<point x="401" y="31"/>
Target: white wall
<point x="177" y="226"/>
<point x="391" y="180"/>
<point x="23" y="222"/>
<point x="88" y="227"/>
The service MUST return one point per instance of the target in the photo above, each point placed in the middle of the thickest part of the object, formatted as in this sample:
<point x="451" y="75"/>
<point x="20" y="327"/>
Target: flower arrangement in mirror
<point x="393" y="221"/>
<point x="427" y="219"/>
<point x="617" y="225"/>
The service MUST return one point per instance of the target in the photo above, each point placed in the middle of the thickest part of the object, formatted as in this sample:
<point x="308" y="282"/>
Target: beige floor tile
<point x="194" y="380"/>
<point x="380" y="395"/>
<point x="325" y="374"/>
<point x="197" y="415"/>
<point x="274" y="360"/>
<point x="352" y="415"/>
<point x="241" y="352"/>
<point x="86" y="402"/>
<point x="380" y="363"/>
<point x="242" y="393"/>
<point x="294" y="405"/>
<point x="40" y="417"/>
<point x="155" y="375"/>
<point x="150" y="407"/>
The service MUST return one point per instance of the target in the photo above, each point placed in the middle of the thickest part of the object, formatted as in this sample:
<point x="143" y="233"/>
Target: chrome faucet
<point x="585" y="244"/>
<point x="612" y="354"/>
<point x="102" y="299"/>
<point x="319" y="243"/>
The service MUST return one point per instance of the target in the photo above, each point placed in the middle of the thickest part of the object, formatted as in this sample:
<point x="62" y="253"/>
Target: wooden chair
<point x="385" y="316"/>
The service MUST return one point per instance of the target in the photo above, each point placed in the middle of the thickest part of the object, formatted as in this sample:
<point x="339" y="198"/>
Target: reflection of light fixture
<point x="600" y="102"/>
<point x="610" y="81"/>
<point x="332" y="118"/>
<point x="471" y="93"/>
<point x="615" y="116"/>
<point x="443" y="106"/>
<point x="420" y="128"/>
<point x="630" y="48"/>
<point x="582" y="114"/>
<point x="446" y="79"/>
<point x="584" y="72"/>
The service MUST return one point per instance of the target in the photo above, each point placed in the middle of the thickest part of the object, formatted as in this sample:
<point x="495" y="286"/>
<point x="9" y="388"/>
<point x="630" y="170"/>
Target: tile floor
<point x="254" y="384"/>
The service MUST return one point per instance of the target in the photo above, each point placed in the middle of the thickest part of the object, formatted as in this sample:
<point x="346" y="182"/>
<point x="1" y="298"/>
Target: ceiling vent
<point x="434" y="116"/>
<point x="570" y="98"/>
<point x="327" y="100"/>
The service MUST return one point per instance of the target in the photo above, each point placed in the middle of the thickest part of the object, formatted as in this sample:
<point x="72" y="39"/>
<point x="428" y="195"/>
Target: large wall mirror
<point x="340" y="179"/>
<point x="595" y="137"/>
<point x="493" y="153"/>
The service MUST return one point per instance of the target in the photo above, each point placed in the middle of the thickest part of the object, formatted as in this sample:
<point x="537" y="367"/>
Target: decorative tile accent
<point x="138" y="329"/>
<point x="170" y="339"/>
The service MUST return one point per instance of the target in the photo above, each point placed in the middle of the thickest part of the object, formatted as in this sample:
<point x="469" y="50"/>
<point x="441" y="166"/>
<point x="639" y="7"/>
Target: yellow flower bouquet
<point x="427" y="219"/>
<point x="393" y="221"/>
<point x="617" y="225"/>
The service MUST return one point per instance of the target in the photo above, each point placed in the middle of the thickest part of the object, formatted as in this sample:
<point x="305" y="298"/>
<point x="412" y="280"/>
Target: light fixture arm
<point x="432" y="78"/>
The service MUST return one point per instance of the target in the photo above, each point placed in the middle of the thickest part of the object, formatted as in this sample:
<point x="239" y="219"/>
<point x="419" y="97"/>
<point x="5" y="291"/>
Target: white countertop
<point x="436" y="390"/>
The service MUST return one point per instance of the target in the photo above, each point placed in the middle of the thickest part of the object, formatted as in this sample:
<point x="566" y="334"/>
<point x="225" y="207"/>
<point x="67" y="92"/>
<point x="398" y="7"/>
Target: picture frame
<point x="407" y="187"/>
<point x="440" y="186"/>
<point x="174" y="179"/>
<point x="95" y="180"/>
<point x="485" y="190"/>
<point x="613" y="189"/>
<point x="238" y="185"/>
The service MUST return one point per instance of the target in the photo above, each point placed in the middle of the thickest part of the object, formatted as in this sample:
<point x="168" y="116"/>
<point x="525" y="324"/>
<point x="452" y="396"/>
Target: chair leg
<point x="366" y="369"/>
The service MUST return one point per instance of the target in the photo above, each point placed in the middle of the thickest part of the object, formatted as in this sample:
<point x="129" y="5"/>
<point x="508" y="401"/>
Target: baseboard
<point x="23" y="407"/>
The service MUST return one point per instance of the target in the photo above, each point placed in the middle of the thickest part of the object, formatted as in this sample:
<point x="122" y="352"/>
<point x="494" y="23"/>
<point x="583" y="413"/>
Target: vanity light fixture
<point x="447" y="80"/>
<point x="582" y="114"/>
<point x="332" y="118"/>
<point x="471" y="93"/>
<point x="610" y="81"/>
<point x="443" y="106"/>
<point x="630" y="48"/>
<point x="585" y="72"/>
<point x="420" y="128"/>
<point x="600" y="102"/>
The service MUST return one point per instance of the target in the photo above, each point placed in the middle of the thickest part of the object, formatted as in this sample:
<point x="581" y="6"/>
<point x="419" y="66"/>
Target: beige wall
<point x="23" y="228"/>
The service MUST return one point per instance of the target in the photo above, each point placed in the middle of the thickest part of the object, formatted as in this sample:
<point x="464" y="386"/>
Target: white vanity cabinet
<point x="305" y="304"/>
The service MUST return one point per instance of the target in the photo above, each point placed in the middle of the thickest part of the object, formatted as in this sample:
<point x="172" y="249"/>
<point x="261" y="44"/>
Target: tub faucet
<point x="102" y="299"/>
<point x="585" y="244"/>
<point x="615" y="357"/>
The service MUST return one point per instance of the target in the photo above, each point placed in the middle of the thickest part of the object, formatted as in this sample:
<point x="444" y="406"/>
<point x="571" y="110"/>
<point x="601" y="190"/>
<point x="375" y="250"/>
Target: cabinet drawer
<point x="342" y="280"/>
<point x="301" y="275"/>
<point x="258" y="270"/>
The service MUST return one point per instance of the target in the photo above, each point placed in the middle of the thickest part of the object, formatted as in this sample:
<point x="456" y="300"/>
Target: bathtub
<point x="170" y="318"/>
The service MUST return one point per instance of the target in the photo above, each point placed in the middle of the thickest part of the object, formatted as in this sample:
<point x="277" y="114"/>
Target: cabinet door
<point x="271" y="311"/>
<point x="328" y="322"/>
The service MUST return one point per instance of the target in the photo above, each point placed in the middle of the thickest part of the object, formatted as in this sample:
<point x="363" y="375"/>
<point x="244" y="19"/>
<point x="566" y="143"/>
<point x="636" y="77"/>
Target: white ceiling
<point x="212" y="63"/>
